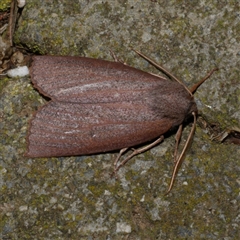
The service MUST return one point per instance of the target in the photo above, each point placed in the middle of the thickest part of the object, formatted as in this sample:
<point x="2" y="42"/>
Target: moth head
<point x="192" y="109"/>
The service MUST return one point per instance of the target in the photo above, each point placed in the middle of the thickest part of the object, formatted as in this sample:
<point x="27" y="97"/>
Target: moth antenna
<point x="162" y="69"/>
<point x="195" y="86"/>
<point x="181" y="157"/>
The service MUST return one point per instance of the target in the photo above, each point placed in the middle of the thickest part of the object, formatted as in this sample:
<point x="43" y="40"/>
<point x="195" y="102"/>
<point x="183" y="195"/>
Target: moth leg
<point x="116" y="59"/>
<point x="182" y="155"/>
<point x="119" y="156"/>
<point x="177" y="139"/>
<point x="134" y="153"/>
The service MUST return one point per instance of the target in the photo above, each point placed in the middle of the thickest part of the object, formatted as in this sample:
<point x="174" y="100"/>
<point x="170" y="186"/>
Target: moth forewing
<point x="99" y="106"/>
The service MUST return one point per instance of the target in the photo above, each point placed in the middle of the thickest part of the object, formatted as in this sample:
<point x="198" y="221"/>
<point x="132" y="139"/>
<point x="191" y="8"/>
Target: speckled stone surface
<point x="74" y="197"/>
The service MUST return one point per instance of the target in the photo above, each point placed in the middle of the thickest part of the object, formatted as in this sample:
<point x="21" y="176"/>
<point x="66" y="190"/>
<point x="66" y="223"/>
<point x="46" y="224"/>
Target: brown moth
<point x="99" y="106"/>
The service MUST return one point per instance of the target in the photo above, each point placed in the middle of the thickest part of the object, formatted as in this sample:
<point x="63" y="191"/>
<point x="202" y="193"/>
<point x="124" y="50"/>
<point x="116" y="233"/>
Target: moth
<point x="100" y="106"/>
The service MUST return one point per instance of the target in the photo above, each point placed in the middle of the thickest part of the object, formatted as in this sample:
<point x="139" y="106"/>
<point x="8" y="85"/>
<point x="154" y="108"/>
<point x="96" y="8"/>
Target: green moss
<point x="97" y="190"/>
<point x="3" y="83"/>
<point x="4" y="5"/>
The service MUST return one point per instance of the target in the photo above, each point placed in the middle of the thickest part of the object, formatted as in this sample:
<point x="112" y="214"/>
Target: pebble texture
<point x="74" y="197"/>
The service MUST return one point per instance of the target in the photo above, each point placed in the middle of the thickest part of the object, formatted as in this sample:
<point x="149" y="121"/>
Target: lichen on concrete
<point x="75" y="197"/>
